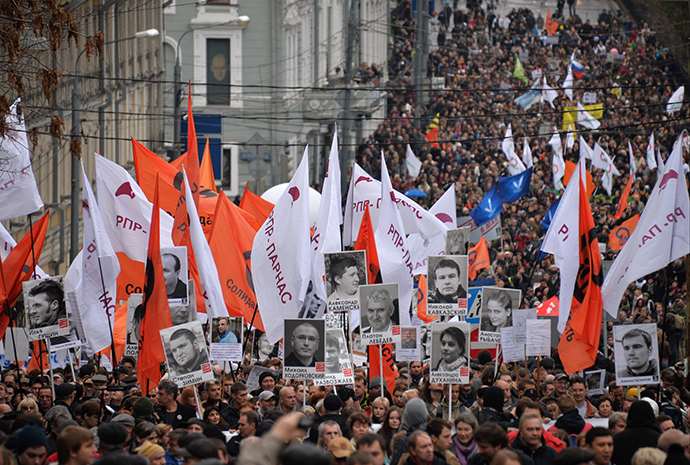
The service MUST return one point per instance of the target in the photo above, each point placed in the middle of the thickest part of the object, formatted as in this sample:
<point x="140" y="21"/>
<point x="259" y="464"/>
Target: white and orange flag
<point x="281" y="254"/>
<point x="326" y="233"/>
<point x="391" y="243"/>
<point x="580" y="339"/>
<point x="420" y="249"/>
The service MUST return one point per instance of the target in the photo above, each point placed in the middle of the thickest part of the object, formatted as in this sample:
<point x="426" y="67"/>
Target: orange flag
<point x="623" y="203"/>
<point x="39" y="358"/>
<point x="620" y="235"/>
<point x="231" y="243"/>
<point x="366" y="242"/>
<point x="550" y="24"/>
<point x="207" y="180"/>
<point x="421" y="301"/>
<point x="569" y="169"/>
<point x="479" y="258"/>
<point x="255" y="205"/>
<point x="580" y="340"/>
<point x="432" y="137"/>
<point x="19" y="267"/>
<point x="156" y="309"/>
<point x="390" y="371"/>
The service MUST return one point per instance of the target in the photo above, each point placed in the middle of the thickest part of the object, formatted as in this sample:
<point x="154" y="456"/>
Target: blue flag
<point x="546" y="222"/>
<point x="489" y="208"/>
<point x="506" y="190"/>
<point x="512" y="188"/>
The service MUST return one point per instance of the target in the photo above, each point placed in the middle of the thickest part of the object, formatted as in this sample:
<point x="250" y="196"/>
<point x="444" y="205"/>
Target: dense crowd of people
<point x="531" y="413"/>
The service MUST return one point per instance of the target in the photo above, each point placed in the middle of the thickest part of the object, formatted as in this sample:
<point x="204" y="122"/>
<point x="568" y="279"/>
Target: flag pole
<point x="14" y="346"/>
<point x="450" y="399"/>
<point x="71" y="365"/>
<point x="222" y="381"/>
<point x="50" y="365"/>
<point x="381" y="368"/>
<point x="244" y="344"/>
<point x="107" y="313"/>
<point x="33" y="254"/>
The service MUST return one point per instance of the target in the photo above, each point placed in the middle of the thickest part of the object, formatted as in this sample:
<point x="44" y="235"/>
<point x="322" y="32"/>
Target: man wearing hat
<point x="117" y="392"/>
<point x="267" y="401"/>
<point x="340" y="448"/>
<point x="31" y="445"/>
<point x="168" y="409"/>
<point x="560" y="384"/>
<point x="65" y="395"/>
<point x="198" y="450"/>
<point x="331" y="405"/>
<point x="111" y="442"/>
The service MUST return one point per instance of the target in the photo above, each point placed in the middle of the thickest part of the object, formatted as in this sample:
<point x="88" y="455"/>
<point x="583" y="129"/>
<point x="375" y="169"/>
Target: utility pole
<point x="348" y="158"/>
<point x="421" y="52"/>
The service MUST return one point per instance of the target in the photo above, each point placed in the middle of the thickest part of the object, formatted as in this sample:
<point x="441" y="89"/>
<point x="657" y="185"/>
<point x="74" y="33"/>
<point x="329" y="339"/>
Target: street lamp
<point x="75" y="133"/>
<point x="242" y="21"/>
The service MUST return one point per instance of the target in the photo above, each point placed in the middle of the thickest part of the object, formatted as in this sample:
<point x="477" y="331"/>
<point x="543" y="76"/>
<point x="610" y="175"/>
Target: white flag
<point x="365" y="190"/>
<point x="444" y="209"/>
<point x="18" y="190"/>
<point x="563" y="241"/>
<point x="414" y="166"/>
<point x="585" y="118"/>
<point x="547" y="93"/>
<point x="100" y="269"/>
<point x="326" y="235"/>
<point x="659" y="160"/>
<point x="651" y="156"/>
<point x="568" y="83"/>
<point x="126" y="211"/>
<point x="515" y="165"/>
<point x="281" y="255"/>
<point x="558" y="163"/>
<point x="633" y="168"/>
<point x="661" y="236"/>
<point x="206" y="265"/>
<point x="527" y="153"/>
<point x="676" y="101"/>
<point x="569" y="139"/>
<point x="391" y="246"/>
<point x="601" y="160"/>
<point x="586" y="151"/>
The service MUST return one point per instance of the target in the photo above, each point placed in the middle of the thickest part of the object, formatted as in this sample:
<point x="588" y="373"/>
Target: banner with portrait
<point x="379" y="315"/>
<point x="450" y="349"/>
<point x="226" y="338"/>
<point x="175" y="274"/>
<point x="409" y="349"/>
<point x="45" y="310"/>
<point x="458" y="241"/>
<point x="305" y="355"/>
<point x="263" y="350"/>
<point x="338" y="364"/>
<point x="135" y="312"/>
<point x="186" y="354"/>
<point x="636" y="352"/>
<point x="447" y="285"/>
<point x="497" y="312"/>
<point x="345" y="272"/>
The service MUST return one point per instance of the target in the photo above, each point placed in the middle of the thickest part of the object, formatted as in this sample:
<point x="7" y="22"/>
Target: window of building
<point x="218" y="71"/>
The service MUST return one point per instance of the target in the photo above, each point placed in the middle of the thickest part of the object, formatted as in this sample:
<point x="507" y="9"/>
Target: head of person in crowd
<point x="421" y="447"/>
<point x="440" y="432"/>
<point x="31" y="445"/>
<point x="358" y="424"/>
<point x="600" y="441"/>
<point x="605" y="406"/>
<point x="648" y="456"/>
<point x="238" y="391"/>
<point x="490" y="438"/>
<point x="153" y="452"/>
<point x="574" y="456"/>
<point x="465" y="426"/>
<point x="617" y="422"/>
<point x="373" y="444"/>
<point x="328" y="430"/>
<point x="340" y="449"/>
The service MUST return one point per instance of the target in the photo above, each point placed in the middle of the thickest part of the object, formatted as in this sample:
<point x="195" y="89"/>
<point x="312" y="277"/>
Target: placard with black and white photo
<point x="447" y="285"/>
<point x="339" y="320"/>
<point x="175" y="274"/>
<point x="338" y="364"/>
<point x="226" y="338"/>
<point x="636" y="351"/>
<point x="45" y="308"/>
<point x="313" y="306"/>
<point x="497" y="308"/>
<point x="304" y="348"/>
<point x="262" y="349"/>
<point x="409" y="348"/>
<point x="458" y="241"/>
<point x="380" y="316"/>
<point x="345" y="272"/>
<point x="135" y="312"/>
<point x="185" y="351"/>
<point x="450" y="349"/>
<point x="596" y="381"/>
<point x="180" y="313"/>
<point x="425" y="340"/>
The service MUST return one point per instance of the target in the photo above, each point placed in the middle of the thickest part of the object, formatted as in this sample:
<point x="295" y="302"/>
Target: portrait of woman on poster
<point x="453" y="344"/>
<point x="497" y="312"/>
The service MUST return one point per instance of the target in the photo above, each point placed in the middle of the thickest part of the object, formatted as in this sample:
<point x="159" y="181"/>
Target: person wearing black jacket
<point x="530" y="440"/>
<point x="492" y="409"/>
<point x="641" y="430"/>
<point x="169" y="410"/>
<point x="332" y="405"/>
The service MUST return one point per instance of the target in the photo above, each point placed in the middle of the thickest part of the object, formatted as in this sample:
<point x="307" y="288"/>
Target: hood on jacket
<point x="642" y="415"/>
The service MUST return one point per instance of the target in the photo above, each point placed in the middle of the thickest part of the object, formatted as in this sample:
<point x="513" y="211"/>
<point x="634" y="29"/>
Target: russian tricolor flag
<point x="577" y="69"/>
